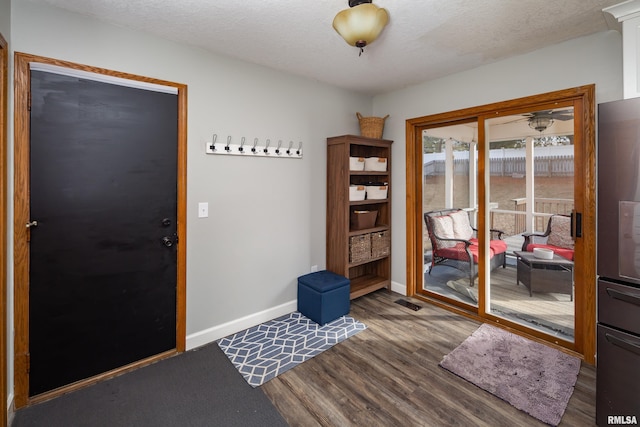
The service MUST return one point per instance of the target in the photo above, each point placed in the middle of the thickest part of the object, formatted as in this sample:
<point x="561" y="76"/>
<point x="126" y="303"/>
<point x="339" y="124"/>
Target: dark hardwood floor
<point x="388" y="375"/>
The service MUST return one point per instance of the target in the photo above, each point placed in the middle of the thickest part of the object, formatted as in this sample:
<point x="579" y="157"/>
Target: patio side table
<point x="545" y="275"/>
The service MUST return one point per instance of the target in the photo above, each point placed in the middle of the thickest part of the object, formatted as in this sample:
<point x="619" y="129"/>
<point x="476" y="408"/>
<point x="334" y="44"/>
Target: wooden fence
<point x="508" y="166"/>
<point x="542" y="206"/>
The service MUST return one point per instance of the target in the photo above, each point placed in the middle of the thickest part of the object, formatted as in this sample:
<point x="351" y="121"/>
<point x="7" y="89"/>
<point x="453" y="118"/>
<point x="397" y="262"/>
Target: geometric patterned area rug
<point x="267" y="350"/>
<point x="531" y="376"/>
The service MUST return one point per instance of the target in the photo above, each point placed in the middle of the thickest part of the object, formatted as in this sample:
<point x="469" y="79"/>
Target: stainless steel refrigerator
<point x="618" y="268"/>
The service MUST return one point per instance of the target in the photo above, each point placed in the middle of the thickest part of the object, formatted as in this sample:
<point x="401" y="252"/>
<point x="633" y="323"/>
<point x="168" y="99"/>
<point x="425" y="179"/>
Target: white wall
<point x="592" y="59"/>
<point x="5" y="18"/>
<point x="266" y="216"/>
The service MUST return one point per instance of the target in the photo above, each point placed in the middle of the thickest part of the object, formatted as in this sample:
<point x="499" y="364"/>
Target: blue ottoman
<point x="323" y="296"/>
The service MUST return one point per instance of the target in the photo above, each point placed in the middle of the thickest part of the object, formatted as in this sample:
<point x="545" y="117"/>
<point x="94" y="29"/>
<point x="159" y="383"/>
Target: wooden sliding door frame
<point x="583" y="101"/>
<point x="22" y="63"/>
<point x="4" y="79"/>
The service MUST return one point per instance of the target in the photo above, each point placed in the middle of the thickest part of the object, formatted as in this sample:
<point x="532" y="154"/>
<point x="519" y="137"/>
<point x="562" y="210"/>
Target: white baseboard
<point x="10" y="409"/>
<point x="399" y="288"/>
<point x="220" y="331"/>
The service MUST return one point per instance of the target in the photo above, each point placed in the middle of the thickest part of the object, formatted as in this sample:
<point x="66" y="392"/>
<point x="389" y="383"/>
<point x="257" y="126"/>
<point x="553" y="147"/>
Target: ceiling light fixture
<point x="361" y="24"/>
<point x="540" y="122"/>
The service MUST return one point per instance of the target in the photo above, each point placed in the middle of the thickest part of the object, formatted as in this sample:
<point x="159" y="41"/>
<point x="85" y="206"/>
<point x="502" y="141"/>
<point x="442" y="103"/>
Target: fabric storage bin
<point x="323" y="296"/>
<point x="376" y="164"/>
<point x="380" y="244"/>
<point x="359" y="248"/>
<point x="377" y="191"/>
<point x="357" y="192"/>
<point x="363" y="219"/>
<point x="356" y="163"/>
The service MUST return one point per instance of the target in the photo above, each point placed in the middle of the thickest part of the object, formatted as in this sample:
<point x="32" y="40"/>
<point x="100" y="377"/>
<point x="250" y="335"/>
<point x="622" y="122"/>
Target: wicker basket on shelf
<point x="359" y="248"/>
<point x="380" y="244"/>
<point x="371" y="127"/>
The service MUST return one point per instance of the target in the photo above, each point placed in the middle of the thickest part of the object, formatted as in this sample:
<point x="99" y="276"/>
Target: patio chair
<point x="453" y="242"/>
<point x="557" y="237"/>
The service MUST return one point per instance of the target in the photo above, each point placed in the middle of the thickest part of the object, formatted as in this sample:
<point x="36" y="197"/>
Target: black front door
<point x="103" y="206"/>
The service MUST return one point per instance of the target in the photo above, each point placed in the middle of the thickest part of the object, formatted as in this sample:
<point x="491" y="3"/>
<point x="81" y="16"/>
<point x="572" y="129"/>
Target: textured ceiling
<point x="424" y="39"/>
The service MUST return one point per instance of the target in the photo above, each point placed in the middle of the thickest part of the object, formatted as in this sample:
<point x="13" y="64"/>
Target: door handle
<point x="169" y="241"/>
<point x="32" y="224"/>
<point x="576" y="224"/>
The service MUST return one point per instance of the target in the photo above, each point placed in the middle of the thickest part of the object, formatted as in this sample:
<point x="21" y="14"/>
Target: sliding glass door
<point x="493" y="233"/>
<point x="449" y="183"/>
<point x="531" y="181"/>
<point x="529" y="171"/>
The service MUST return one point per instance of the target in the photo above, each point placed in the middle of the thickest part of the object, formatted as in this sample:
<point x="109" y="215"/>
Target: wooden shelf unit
<point x="374" y="273"/>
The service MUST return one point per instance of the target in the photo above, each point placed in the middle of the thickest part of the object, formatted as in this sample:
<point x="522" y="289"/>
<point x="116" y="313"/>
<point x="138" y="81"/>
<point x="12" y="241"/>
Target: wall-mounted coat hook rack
<point x="212" y="145"/>
<point x="257" y="150"/>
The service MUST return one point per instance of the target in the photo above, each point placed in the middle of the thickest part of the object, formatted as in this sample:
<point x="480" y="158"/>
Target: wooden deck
<point x="548" y="312"/>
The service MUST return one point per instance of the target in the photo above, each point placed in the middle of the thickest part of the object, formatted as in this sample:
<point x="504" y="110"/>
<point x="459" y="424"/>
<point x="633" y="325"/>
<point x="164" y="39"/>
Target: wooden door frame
<point x="585" y="202"/>
<point x="22" y="88"/>
<point x="4" y="59"/>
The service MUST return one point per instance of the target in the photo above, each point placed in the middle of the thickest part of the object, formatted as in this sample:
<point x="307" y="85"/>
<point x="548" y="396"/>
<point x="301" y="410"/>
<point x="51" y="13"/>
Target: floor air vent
<point x="408" y="304"/>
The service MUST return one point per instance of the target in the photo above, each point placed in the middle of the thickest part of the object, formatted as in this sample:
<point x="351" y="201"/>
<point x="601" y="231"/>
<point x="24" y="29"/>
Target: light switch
<point x="203" y="210"/>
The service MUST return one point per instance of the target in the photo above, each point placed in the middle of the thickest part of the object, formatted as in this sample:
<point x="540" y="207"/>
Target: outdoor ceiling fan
<point x="541" y="120"/>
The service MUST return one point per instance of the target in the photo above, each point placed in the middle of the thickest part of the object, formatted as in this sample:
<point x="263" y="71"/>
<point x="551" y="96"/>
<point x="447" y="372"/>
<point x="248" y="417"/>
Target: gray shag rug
<point x="533" y="377"/>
